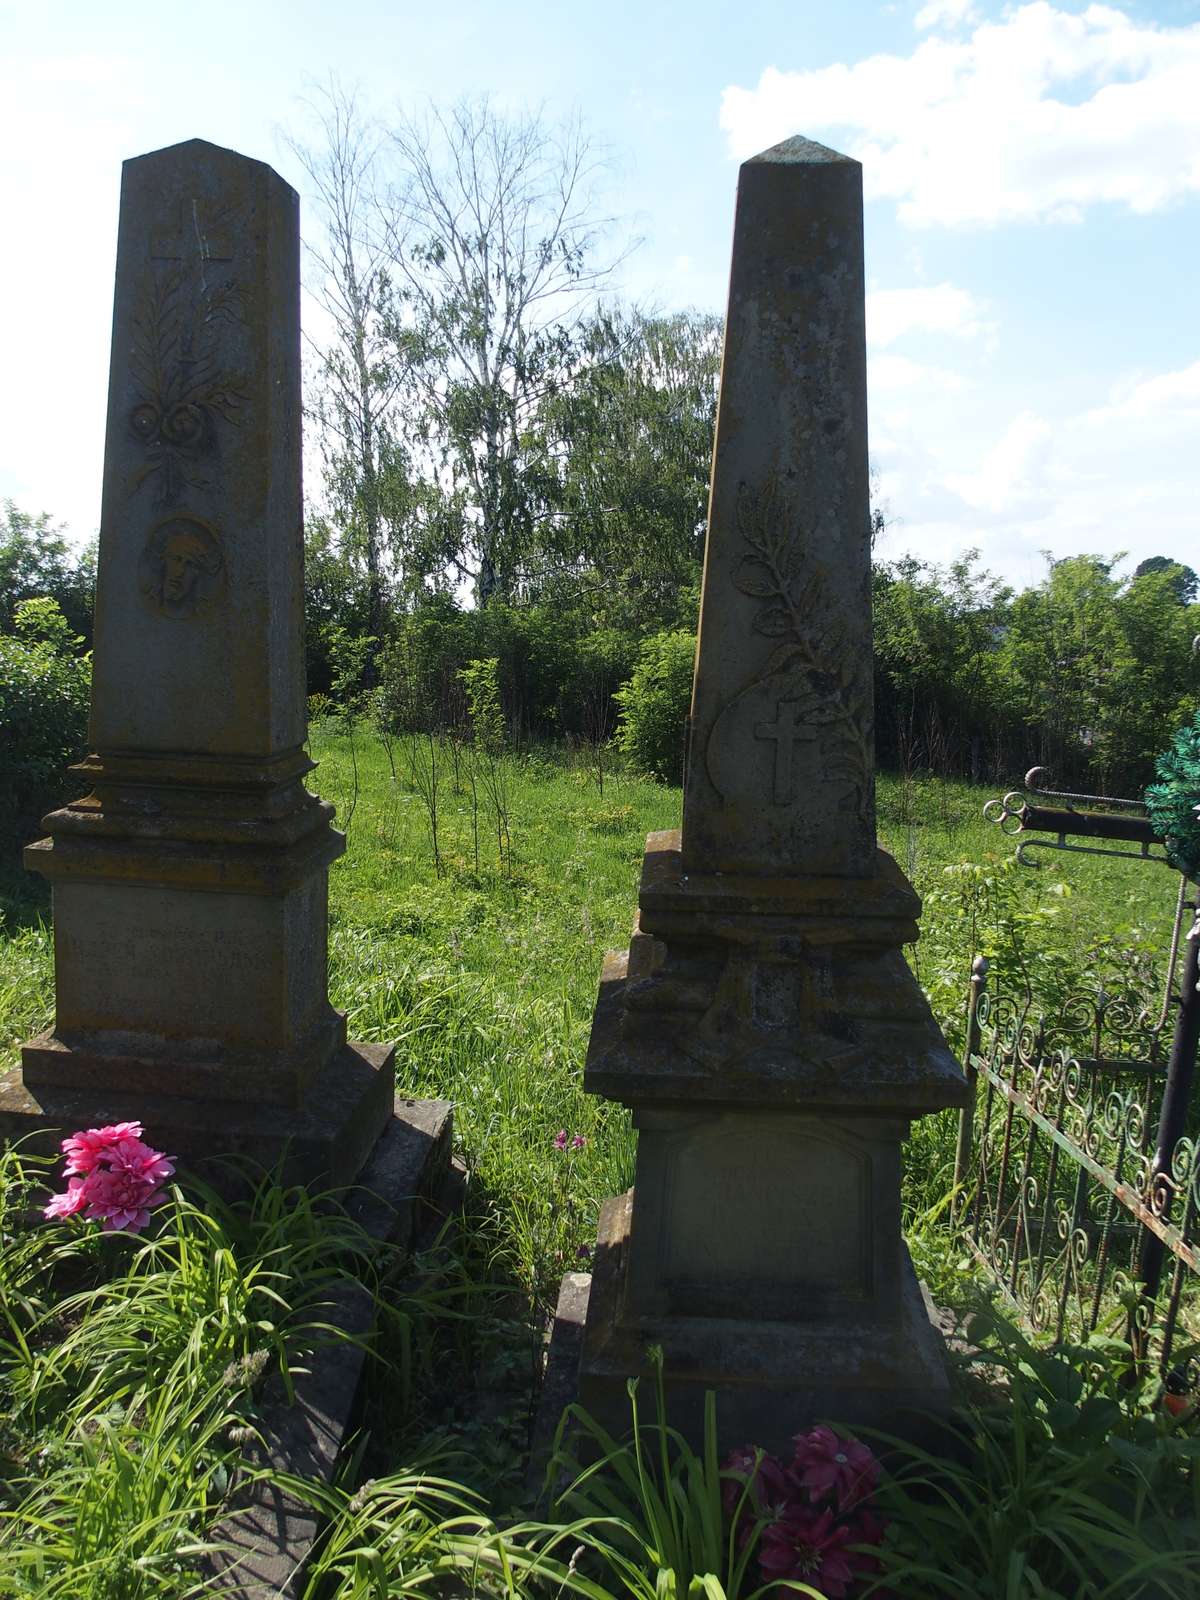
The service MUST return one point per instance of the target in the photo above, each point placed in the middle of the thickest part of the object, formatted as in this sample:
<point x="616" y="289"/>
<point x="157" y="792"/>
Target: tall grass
<point x="131" y="1371"/>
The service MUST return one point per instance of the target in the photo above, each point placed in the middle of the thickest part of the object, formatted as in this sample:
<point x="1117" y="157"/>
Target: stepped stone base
<point x="324" y="1141"/>
<point x="772" y="1378"/>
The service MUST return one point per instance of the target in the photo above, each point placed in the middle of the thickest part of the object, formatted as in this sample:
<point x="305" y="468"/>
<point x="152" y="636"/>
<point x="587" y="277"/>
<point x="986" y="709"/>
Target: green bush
<point x="44" y="689"/>
<point x="655" y="702"/>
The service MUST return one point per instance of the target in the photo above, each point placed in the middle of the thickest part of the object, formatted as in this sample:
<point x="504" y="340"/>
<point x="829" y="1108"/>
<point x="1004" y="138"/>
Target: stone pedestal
<point x="190" y="881"/>
<point x="774" y="1048"/>
<point x="764" y="1027"/>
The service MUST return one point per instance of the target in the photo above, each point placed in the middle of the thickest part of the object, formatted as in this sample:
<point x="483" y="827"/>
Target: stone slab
<point x="325" y="1140"/>
<point x="560" y="1377"/>
<point x="266" y="1542"/>
<point x="883" y="906"/>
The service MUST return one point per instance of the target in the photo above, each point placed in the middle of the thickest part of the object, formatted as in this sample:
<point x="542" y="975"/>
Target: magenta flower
<point x="865" y="1529"/>
<point x="560" y="1139"/>
<point x="119" y="1178"/>
<point x="66" y="1205"/>
<point x="137" y="1160"/>
<point x="84" y="1148"/>
<point x="120" y="1200"/>
<point x="577" y="1141"/>
<point x="761" y="1478"/>
<point x="810" y="1546"/>
<point x="830" y="1467"/>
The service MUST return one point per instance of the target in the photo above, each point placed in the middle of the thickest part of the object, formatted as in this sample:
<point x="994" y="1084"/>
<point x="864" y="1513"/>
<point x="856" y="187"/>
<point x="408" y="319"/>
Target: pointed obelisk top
<point x="780" y="771"/>
<point x="799" y="150"/>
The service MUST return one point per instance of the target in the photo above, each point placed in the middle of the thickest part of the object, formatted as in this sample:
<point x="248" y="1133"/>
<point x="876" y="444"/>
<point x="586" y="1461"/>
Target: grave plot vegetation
<point x="485" y="977"/>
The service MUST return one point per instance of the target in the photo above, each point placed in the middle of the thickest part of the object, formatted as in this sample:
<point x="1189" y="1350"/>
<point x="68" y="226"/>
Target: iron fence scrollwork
<point x="1077" y="1170"/>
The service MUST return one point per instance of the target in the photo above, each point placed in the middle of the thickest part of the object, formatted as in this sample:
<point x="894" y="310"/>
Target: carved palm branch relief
<point x="182" y="384"/>
<point x="795" y="608"/>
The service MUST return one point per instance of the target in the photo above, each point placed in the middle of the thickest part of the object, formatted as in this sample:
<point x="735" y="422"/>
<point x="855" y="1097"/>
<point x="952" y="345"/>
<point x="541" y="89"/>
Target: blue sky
<point x="1032" y="174"/>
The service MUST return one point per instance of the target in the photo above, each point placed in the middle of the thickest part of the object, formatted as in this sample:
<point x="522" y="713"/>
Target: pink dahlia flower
<point x="120" y="1200"/>
<point x="83" y="1149"/>
<point x="119" y="1178"/>
<point x="66" y="1205"/>
<point x="809" y="1546"/>
<point x="828" y="1466"/>
<point x="136" y="1159"/>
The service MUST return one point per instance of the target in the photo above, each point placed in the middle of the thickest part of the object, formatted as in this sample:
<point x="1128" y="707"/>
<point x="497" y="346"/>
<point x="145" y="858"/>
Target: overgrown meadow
<point x="129" y="1369"/>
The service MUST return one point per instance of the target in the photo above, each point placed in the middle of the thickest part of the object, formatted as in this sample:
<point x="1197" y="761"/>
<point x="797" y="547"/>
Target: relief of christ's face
<point x="181" y="567"/>
<point x="184" y="559"/>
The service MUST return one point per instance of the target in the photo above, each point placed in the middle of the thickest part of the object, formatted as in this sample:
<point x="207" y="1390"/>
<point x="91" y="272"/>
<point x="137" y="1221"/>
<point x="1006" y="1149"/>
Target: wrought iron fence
<point x="1078" y="1166"/>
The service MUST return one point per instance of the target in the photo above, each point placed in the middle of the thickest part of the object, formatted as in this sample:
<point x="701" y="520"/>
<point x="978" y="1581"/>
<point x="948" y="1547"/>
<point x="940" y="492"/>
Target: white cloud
<point x="1011" y="476"/>
<point x="928" y="308"/>
<point x="1033" y="117"/>
<point x="1173" y="394"/>
<point x="945" y="14"/>
<point x="1102" y="480"/>
<point x="888" y="371"/>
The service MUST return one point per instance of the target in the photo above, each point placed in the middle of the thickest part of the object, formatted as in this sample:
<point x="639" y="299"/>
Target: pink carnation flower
<point x="828" y="1466"/>
<point x="809" y="1546"/>
<point x="84" y="1149"/>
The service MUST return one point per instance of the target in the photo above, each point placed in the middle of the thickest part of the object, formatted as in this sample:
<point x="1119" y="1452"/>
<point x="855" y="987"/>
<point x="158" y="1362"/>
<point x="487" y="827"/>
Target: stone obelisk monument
<point x="764" y="1026"/>
<point x="190" y="882"/>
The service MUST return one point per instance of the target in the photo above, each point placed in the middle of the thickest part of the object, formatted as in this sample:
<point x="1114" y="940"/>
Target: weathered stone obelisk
<point x="763" y="1026"/>
<point x="190" y="883"/>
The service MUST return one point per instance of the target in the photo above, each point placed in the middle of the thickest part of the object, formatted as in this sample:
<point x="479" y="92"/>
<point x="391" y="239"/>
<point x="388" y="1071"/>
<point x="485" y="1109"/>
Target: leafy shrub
<point x="654" y="704"/>
<point x="44" y="688"/>
<point x="481" y="683"/>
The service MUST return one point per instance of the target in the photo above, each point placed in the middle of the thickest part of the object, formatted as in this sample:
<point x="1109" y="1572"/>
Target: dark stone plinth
<point x="560" y="1379"/>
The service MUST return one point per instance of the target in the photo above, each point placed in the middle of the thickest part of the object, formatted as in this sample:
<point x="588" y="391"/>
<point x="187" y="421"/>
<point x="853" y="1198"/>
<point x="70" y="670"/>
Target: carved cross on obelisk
<point x="786" y="607"/>
<point x="785" y="732"/>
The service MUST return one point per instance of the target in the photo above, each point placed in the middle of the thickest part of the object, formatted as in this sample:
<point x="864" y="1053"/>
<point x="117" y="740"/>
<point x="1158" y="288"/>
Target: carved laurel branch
<point x="796" y="611"/>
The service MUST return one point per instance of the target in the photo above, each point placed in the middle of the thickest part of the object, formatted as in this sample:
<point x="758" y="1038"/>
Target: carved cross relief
<point x="786" y="732"/>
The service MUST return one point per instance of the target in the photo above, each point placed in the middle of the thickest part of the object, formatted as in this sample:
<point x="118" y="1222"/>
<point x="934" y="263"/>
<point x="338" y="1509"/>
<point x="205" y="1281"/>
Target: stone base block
<point x="323" y="1142"/>
<point x="772" y="1378"/>
<point x="201" y="1069"/>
